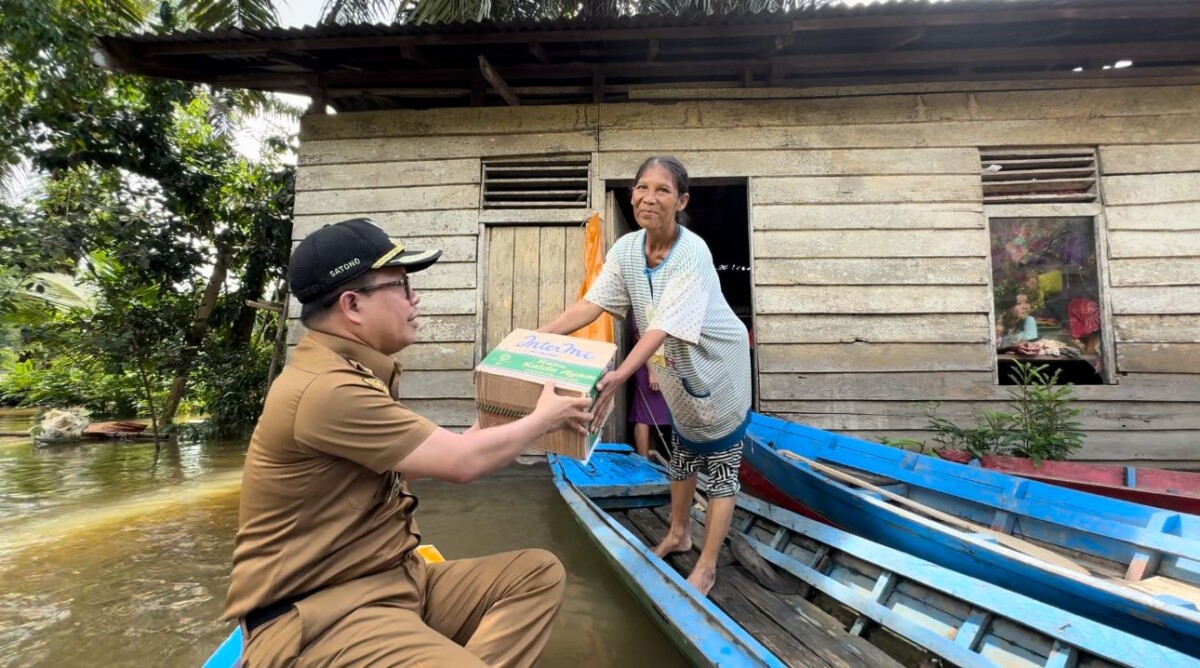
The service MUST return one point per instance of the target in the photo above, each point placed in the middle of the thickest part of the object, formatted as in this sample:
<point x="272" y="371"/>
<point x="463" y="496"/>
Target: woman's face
<point x="656" y="199"/>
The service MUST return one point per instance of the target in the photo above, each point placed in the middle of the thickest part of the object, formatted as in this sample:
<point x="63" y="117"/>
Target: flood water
<point x="107" y="562"/>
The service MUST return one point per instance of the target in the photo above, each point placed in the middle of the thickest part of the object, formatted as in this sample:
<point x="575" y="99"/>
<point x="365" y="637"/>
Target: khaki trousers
<point x="492" y="611"/>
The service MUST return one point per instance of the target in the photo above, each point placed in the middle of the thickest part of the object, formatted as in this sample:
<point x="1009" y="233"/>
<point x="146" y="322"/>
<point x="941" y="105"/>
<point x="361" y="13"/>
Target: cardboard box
<point x="510" y="379"/>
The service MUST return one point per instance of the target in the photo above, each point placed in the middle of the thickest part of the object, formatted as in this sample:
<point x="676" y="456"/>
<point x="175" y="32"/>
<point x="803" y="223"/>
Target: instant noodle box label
<point x="509" y="381"/>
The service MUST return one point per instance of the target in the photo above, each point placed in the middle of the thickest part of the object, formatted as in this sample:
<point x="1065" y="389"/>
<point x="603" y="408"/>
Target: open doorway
<point x="719" y="213"/>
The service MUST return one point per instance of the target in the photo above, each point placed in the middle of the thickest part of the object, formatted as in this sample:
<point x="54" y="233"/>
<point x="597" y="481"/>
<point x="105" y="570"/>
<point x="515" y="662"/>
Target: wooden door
<point x="617" y="429"/>
<point x="533" y="273"/>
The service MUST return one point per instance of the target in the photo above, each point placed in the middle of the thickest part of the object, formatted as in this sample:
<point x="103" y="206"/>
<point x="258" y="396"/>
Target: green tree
<point x="143" y="196"/>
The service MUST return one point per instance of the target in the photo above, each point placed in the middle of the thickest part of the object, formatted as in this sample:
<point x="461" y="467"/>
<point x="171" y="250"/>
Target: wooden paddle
<point x="1004" y="539"/>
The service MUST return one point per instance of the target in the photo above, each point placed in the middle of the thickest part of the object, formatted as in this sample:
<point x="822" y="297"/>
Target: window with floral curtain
<point x="1046" y="295"/>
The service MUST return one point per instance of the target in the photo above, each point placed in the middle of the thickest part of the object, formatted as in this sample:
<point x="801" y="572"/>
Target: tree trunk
<point x="195" y="335"/>
<point x="280" y="338"/>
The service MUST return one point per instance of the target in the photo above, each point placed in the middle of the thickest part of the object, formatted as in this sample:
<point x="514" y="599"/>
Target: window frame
<point x="1095" y="210"/>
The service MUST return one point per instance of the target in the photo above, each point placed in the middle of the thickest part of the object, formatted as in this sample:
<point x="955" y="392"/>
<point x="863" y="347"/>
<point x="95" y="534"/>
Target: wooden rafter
<point x="1051" y="32"/>
<point x="538" y="52"/>
<point x="904" y="39"/>
<point x="781" y="42"/>
<point x="816" y="49"/>
<point x="414" y="53"/>
<point x="498" y="82"/>
<point x="303" y="61"/>
<point x="853" y="62"/>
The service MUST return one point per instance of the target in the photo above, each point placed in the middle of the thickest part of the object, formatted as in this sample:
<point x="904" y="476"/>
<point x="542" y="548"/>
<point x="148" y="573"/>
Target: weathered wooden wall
<point x="869" y="237"/>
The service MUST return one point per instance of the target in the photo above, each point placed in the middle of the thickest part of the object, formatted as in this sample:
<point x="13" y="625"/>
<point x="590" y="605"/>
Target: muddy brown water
<point x="104" y="562"/>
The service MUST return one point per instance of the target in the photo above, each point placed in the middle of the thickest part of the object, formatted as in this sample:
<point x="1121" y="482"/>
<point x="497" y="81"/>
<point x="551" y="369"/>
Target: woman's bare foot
<point x="703" y="578"/>
<point x="673" y="542"/>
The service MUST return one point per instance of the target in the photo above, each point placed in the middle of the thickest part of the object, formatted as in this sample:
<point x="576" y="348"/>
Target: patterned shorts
<point x="721" y="467"/>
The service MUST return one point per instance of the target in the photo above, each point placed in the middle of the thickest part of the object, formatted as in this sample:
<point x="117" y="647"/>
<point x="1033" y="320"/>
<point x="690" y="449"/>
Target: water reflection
<point x="107" y="562"/>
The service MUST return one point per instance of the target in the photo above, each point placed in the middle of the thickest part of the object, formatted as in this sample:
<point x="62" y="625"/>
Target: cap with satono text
<point x="335" y="254"/>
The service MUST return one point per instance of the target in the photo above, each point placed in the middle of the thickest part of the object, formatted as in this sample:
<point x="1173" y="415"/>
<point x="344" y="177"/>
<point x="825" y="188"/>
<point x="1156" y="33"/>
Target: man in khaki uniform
<point x="324" y="568"/>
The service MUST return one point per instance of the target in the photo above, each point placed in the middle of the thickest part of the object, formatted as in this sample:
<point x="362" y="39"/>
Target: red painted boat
<point x="754" y="484"/>
<point x="1161" y="488"/>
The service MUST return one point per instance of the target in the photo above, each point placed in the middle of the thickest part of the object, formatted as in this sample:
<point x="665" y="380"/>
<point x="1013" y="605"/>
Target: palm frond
<point x="454" y="11"/>
<point x="132" y="14"/>
<point x="261" y="103"/>
<point x="215" y="14"/>
<point x="55" y="290"/>
<point x="360" y="11"/>
<point x="19" y="181"/>
<point x="451" y="11"/>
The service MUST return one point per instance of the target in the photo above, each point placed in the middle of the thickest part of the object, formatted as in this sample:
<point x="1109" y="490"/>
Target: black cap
<point x="336" y="254"/>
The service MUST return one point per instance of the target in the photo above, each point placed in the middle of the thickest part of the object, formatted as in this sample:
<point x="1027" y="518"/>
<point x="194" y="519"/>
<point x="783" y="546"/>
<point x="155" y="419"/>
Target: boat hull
<point x="1170" y="490"/>
<point x="864" y="515"/>
<point x="701" y="630"/>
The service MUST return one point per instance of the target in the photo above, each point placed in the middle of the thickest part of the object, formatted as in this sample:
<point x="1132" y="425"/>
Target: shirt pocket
<point x="368" y="489"/>
<point x="693" y="391"/>
<point x="690" y="406"/>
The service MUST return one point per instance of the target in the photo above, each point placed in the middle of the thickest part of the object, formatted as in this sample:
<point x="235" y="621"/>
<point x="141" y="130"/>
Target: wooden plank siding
<point x="871" y="270"/>
<point x="1152" y="198"/>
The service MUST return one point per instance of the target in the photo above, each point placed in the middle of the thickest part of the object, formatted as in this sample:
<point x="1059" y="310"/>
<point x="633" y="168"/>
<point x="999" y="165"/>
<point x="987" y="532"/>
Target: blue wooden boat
<point x="1131" y="567"/>
<point x="848" y="601"/>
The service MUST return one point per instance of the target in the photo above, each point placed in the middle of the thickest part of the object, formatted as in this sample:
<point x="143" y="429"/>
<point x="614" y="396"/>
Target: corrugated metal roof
<point x="601" y="59"/>
<point x="874" y="9"/>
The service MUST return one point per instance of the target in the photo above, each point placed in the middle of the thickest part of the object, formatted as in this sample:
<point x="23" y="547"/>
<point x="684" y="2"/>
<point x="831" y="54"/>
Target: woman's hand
<point x="607" y="386"/>
<point x="577" y="316"/>
<point x="653" y="377"/>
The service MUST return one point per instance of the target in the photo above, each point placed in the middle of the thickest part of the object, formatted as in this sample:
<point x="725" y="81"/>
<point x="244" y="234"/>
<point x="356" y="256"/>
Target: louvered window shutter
<point x="1035" y="176"/>
<point x="535" y="184"/>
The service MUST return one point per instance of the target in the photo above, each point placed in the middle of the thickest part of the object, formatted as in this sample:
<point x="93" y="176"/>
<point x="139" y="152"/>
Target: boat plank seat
<point x="1159" y="585"/>
<point x="614" y="476"/>
<point x="810" y="638"/>
<point x="947" y="511"/>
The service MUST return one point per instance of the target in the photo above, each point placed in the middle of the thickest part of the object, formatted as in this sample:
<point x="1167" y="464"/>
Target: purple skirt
<point x="646" y="405"/>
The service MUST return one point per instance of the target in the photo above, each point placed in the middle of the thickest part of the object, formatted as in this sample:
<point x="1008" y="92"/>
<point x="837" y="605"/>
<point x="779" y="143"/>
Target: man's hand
<point x="556" y="412"/>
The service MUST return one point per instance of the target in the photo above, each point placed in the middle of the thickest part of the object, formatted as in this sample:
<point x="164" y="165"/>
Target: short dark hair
<point x="678" y="174"/>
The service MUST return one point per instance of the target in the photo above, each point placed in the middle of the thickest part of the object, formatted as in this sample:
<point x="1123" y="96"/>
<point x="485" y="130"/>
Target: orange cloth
<point x="601" y="328"/>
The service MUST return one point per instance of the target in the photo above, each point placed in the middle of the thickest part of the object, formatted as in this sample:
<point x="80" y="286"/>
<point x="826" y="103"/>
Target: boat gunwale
<point x="1057" y="498"/>
<point x="1118" y="598"/>
<point x="732" y="634"/>
<point x="1072" y="629"/>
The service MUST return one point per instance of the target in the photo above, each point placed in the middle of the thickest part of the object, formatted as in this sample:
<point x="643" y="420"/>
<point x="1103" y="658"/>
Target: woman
<point x="700" y="350"/>
<point x="648" y="408"/>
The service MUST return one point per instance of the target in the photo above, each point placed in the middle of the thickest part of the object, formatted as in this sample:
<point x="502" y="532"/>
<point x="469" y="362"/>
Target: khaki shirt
<point x="320" y="504"/>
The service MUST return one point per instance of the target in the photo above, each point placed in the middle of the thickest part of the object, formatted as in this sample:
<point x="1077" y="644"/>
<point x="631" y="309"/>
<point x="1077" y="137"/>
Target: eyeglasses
<point x="377" y="286"/>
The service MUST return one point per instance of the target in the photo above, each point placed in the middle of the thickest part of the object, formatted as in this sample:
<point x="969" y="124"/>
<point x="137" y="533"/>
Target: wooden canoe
<point x="1125" y="565"/>
<point x="845" y="601"/>
<point x="1161" y="488"/>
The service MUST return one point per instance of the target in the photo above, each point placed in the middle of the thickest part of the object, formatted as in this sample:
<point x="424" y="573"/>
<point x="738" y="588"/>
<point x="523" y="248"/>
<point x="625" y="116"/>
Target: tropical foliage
<point x="131" y="265"/>
<point x="454" y="11"/>
<point x="135" y="233"/>
<point x="1040" y="423"/>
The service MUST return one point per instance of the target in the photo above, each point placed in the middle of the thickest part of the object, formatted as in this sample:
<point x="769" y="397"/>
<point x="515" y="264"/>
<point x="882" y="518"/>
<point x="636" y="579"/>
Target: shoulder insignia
<point x="375" y="383"/>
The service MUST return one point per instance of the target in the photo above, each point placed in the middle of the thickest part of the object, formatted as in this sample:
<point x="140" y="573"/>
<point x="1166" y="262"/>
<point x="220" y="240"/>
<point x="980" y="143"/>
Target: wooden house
<point x="891" y="192"/>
